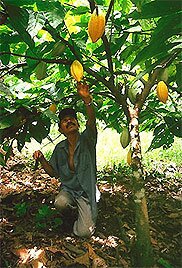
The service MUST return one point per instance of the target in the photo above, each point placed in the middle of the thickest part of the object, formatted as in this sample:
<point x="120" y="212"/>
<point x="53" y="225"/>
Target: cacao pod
<point x="96" y="25"/>
<point x="58" y="49"/>
<point x="77" y="70"/>
<point x="162" y="91"/>
<point x="53" y="108"/>
<point x="129" y="157"/>
<point x="125" y="137"/>
<point x="132" y="93"/>
<point x="40" y="70"/>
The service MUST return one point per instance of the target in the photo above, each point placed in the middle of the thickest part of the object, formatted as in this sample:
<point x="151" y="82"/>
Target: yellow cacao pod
<point x="96" y="25"/>
<point x="162" y="91"/>
<point x="40" y="70"/>
<point x="77" y="70"/>
<point x="129" y="157"/>
<point x="53" y="108"/>
<point x="58" y="49"/>
<point x="125" y="137"/>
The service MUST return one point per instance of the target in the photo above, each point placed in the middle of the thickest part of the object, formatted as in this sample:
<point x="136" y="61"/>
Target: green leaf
<point x="7" y="121"/>
<point x="162" y="137"/>
<point x="157" y="8"/>
<point x="80" y="10"/>
<point x="165" y="263"/>
<point x="165" y="29"/>
<point x="19" y="19"/>
<point x="118" y="43"/>
<point x="39" y="128"/>
<point x="6" y="57"/>
<point x="53" y="11"/>
<point x="36" y="23"/>
<point x="174" y="124"/>
<point x="2" y="160"/>
<point x="19" y="2"/>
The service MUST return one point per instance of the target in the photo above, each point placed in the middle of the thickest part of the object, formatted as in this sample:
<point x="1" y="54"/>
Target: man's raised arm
<point x="83" y="91"/>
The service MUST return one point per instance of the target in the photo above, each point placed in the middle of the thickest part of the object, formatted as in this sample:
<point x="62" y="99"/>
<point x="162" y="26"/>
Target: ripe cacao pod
<point x="53" y="108"/>
<point x="96" y="25"/>
<point x="129" y="157"/>
<point x="132" y="93"/>
<point x="125" y="137"/>
<point x="77" y="70"/>
<point x="40" y="70"/>
<point x="162" y="91"/>
<point x="58" y="49"/>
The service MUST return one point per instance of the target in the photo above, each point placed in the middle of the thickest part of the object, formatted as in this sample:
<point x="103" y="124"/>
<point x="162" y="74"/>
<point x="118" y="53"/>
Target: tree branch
<point x="64" y="61"/>
<point x="10" y="69"/>
<point x="111" y="4"/>
<point x="149" y="84"/>
<point x="5" y="68"/>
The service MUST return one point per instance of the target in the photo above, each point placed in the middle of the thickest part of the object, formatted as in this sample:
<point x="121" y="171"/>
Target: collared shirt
<point x="83" y="180"/>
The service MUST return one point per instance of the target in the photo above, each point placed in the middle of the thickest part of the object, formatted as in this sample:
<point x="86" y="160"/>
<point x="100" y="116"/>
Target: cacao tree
<point x="139" y="46"/>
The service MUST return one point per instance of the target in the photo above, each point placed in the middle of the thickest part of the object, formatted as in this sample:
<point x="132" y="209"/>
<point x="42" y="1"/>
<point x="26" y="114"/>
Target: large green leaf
<point x="166" y="28"/>
<point x="157" y="8"/>
<point x="39" y="128"/>
<point x="53" y="11"/>
<point x="174" y="124"/>
<point x="162" y="137"/>
<point x="36" y="22"/>
<point x="19" y="19"/>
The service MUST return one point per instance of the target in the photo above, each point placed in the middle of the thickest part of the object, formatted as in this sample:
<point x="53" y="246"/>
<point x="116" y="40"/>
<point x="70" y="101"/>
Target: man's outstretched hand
<point x="83" y="91"/>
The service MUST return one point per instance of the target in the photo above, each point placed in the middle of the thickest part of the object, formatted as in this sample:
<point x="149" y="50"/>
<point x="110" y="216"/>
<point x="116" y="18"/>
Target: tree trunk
<point x="143" y="256"/>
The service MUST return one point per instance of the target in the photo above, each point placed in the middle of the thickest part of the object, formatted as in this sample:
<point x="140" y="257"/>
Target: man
<point x="74" y="162"/>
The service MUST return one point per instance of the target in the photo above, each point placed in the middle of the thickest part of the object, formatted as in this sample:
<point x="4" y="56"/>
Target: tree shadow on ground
<point x="33" y="231"/>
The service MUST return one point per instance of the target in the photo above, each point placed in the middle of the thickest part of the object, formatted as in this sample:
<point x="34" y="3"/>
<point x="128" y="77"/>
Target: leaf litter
<point x="33" y="233"/>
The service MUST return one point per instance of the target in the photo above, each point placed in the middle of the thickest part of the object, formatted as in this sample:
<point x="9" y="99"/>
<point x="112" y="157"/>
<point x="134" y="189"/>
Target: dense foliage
<point x="40" y="40"/>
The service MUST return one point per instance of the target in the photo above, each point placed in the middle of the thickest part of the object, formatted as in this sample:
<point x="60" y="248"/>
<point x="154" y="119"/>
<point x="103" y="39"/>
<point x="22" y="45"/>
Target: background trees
<point x="140" y="46"/>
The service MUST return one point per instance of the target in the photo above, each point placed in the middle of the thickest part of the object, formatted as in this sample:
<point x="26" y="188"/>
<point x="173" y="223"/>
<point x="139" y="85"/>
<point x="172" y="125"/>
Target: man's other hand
<point x="38" y="155"/>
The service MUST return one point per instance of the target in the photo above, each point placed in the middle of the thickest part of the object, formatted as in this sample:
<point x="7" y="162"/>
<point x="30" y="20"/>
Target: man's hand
<point x="83" y="91"/>
<point x="38" y="155"/>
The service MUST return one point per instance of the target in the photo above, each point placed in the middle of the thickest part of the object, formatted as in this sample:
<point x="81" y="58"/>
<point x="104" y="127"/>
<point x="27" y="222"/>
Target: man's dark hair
<point x="67" y="112"/>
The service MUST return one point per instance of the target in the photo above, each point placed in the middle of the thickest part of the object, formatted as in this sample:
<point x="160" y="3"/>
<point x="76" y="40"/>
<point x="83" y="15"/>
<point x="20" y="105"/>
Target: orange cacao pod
<point x="77" y="70"/>
<point x="96" y="25"/>
<point x="162" y="91"/>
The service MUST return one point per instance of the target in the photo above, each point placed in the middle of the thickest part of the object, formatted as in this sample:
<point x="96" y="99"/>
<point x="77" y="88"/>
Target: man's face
<point x="68" y="125"/>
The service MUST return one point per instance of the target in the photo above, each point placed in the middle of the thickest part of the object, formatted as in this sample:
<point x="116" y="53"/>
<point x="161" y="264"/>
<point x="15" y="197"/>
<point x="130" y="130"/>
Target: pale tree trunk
<point x="143" y="256"/>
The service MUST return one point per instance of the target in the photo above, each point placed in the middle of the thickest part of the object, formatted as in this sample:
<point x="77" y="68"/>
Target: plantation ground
<point x="32" y="233"/>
